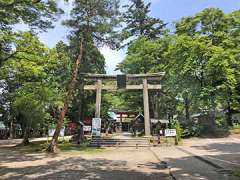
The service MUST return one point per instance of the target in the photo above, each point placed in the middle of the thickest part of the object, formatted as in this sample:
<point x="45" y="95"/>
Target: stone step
<point x="126" y="142"/>
<point x="133" y="143"/>
<point x="130" y="139"/>
<point x="119" y="140"/>
<point x="101" y="141"/>
<point x="120" y="145"/>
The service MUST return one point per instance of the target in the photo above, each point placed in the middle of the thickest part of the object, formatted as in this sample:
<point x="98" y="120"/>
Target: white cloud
<point x="112" y="58"/>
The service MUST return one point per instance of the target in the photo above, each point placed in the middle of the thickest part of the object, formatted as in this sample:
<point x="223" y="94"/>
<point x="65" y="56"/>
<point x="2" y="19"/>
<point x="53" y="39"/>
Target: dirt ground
<point x="194" y="159"/>
<point x="110" y="164"/>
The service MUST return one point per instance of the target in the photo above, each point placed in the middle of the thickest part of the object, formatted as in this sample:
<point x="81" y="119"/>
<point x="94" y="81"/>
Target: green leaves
<point x="30" y="102"/>
<point x="139" y="23"/>
<point x="36" y="15"/>
<point x="201" y="61"/>
<point x="29" y="73"/>
<point x="144" y="55"/>
<point x="95" y="21"/>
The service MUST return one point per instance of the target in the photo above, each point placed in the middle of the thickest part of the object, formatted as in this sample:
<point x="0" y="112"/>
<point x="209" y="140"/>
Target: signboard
<point x="2" y="125"/>
<point x="96" y="127"/>
<point x="51" y="132"/>
<point x="87" y="128"/>
<point x="163" y="121"/>
<point x="121" y="81"/>
<point x="170" y="132"/>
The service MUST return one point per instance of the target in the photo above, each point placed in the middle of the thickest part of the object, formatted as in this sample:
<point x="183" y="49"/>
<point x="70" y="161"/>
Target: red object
<point x="87" y="121"/>
<point x="72" y="125"/>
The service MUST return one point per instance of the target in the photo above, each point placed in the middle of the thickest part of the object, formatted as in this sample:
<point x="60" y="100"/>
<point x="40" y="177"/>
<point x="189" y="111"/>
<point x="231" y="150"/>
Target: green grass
<point x="83" y="148"/>
<point x="235" y="129"/>
<point x="64" y="146"/>
<point x="236" y="173"/>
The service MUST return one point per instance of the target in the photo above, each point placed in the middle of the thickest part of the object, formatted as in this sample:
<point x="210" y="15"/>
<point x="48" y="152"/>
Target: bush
<point x="175" y="124"/>
<point x="235" y="129"/>
<point x="212" y="131"/>
<point x="191" y="131"/>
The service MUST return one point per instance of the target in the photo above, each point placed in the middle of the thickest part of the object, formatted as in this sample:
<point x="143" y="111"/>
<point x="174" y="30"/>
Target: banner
<point x="51" y="132"/>
<point x="96" y="127"/>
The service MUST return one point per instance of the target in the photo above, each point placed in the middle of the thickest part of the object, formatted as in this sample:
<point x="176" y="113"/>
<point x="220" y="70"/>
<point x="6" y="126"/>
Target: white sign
<point x="96" y="127"/>
<point x="51" y="132"/>
<point x="170" y="132"/>
<point x="163" y="121"/>
<point x="87" y="128"/>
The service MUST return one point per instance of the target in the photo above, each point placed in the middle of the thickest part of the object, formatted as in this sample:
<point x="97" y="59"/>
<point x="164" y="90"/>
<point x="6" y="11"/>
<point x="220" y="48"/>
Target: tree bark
<point x="81" y="102"/>
<point x="187" y="114"/>
<point x="71" y="89"/>
<point x="26" y="136"/>
<point x="12" y="130"/>
<point x="229" y="111"/>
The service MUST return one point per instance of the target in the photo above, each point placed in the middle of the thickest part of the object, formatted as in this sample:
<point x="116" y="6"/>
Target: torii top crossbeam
<point x="150" y="76"/>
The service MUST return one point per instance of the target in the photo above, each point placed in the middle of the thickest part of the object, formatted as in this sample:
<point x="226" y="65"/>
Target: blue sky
<point x="168" y="10"/>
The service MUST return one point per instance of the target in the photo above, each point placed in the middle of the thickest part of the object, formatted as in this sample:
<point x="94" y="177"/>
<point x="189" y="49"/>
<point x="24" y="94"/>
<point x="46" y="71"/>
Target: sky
<point x="169" y="11"/>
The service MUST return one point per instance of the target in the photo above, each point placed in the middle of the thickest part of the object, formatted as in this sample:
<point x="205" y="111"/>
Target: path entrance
<point x="123" y="135"/>
<point x="128" y="82"/>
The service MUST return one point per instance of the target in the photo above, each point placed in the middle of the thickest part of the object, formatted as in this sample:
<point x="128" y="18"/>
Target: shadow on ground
<point x="80" y="168"/>
<point x="221" y="147"/>
<point x="218" y="161"/>
<point x="186" y="167"/>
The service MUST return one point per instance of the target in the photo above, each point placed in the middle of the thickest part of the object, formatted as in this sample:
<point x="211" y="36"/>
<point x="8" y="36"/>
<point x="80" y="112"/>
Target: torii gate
<point x="99" y="86"/>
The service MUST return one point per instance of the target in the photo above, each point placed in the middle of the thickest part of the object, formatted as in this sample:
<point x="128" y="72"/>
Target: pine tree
<point x="34" y="13"/>
<point x="92" y="22"/>
<point x="139" y="23"/>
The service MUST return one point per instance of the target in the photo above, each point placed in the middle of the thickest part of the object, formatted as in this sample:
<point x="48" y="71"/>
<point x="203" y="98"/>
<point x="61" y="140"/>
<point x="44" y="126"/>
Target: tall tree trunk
<point x="229" y="110"/>
<point x="80" y="102"/>
<point x="213" y="110"/>
<point x="12" y="129"/>
<point x="71" y="89"/>
<point x="26" y="136"/>
<point x="187" y="114"/>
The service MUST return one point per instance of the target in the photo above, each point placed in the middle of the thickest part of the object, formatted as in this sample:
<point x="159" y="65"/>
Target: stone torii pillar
<point x="146" y="108"/>
<point x="98" y="98"/>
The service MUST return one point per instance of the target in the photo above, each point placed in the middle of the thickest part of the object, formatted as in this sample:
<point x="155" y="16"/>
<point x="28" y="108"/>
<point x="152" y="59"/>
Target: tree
<point x="145" y="56"/>
<point x="222" y="30"/>
<point x="92" y="22"/>
<point x="139" y="23"/>
<point x="92" y="62"/>
<point x="31" y="88"/>
<point x="200" y="62"/>
<point x="30" y="106"/>
<point x="35" y="14"/>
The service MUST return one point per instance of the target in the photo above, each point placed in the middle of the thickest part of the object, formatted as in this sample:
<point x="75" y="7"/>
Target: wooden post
<point x="98" y="98"/>
<point x="146" y="108"/>
<point x="120" y="124"/>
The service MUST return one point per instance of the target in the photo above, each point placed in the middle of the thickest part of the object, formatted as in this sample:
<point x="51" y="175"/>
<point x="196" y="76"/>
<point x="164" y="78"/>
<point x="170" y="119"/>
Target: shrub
<point x="175" y="124"/>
